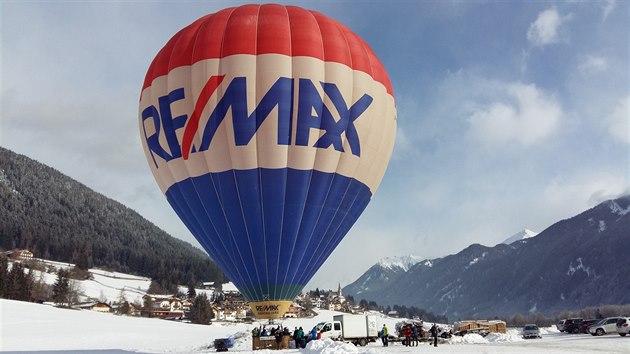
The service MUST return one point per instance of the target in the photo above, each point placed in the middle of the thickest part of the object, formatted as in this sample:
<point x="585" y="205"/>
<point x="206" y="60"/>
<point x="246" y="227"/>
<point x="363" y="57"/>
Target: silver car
<point x="606" y="326"/>
<point x="623" y="326"/>
<point x="531" y="331"/>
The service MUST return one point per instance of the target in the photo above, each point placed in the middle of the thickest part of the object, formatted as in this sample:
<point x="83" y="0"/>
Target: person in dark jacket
<point x="296" y="339"/>
<point x="434" y="334"/>
<point x="302" y="337"/>
<point x="414" y="336"/>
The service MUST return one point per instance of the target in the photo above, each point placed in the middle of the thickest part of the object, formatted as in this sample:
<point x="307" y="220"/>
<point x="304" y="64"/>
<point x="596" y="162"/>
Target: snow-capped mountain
<point x="522" y="235"/>
<point x="404" y="262"/>
<point x="382" y="273"/>
<point x="575" y="263"/>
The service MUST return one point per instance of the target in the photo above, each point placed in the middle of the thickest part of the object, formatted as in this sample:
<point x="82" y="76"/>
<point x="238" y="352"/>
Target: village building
<point x="293" y="311"/>
<point x="20" y="254"/>
<point x="168" y="307"/>
<point x="101" y="307"/>
<point x="208" y="285"/>
<point x="95" y="306"/>
<point x="232" y="306"/>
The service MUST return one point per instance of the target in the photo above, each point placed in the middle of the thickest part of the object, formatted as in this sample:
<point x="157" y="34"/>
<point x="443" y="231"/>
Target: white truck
<point x="357" y="329"/>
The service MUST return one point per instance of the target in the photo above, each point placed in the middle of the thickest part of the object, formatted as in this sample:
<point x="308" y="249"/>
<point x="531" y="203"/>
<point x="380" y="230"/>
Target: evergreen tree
<point x="84" y="257"/>
<point x="4" y="275"/>
<point x="155" y="288"/>
<point x="201" y="310"/>
<point x="19" y="284"/>
<point x="74" y="290"/>
<point x="41" y="290"/>
<point x="148" y="305"/>
<point x="61" y="288"/>
<point x="192" y="293"/>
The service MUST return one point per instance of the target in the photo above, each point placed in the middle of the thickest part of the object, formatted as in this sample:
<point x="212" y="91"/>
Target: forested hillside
<point x="61" y="219"/>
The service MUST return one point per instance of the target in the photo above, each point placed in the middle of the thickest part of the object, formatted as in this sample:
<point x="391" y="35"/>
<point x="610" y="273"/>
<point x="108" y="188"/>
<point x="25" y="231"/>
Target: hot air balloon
<point x="268" y="128"/>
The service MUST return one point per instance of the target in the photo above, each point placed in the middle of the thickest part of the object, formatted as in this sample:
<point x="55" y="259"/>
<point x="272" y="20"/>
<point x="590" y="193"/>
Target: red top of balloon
<point x="266" y="29"/>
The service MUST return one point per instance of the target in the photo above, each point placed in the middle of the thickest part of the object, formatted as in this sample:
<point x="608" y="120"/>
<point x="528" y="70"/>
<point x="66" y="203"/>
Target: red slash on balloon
<point x="193" y="122"/>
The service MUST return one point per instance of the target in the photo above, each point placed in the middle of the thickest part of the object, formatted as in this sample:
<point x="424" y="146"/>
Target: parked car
<point x="623" y="326"/>
<point x="573" y="325"/>
<point x="531" y="331"/>
<point x="560" y="325"/>
<point x="587" y="323"/>
<point x="606" y="326"/>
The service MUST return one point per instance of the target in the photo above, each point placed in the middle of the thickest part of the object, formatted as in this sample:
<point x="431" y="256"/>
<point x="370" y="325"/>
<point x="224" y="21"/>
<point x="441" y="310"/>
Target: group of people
<point x="274" y="331"/>
<point x="299" y="337"/>
<point x="411" y="333"/>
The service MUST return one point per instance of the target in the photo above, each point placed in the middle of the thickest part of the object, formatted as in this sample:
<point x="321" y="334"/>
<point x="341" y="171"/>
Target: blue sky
<point x="511" y="114"/>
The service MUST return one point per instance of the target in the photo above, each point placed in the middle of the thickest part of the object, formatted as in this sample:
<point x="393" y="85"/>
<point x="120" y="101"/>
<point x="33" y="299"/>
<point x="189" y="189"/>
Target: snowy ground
<point x="107" y="286"/>
<point x="28" y="327"/>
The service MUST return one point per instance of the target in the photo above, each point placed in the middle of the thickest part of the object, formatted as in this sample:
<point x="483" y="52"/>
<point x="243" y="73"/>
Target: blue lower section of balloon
<point x="269" y="230"/>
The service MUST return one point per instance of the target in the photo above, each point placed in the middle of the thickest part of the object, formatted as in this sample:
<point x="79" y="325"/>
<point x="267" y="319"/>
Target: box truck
<point x="357" y="329"/>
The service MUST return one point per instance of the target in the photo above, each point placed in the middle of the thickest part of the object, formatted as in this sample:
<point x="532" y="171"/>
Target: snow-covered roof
<point x="229" y="287"/>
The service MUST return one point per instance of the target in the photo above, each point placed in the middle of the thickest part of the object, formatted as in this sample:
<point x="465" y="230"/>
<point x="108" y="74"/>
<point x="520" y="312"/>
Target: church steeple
<point x="339" y="289"/>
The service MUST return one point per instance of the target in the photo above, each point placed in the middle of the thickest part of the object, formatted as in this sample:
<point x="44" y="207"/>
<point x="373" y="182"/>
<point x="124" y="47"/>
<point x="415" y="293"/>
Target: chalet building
<point x="168" y="307"/>
<point x="232" y="307"/>
<point x="234" y="300"/>
<point x="186" y="304"/>
<point x="95" y="306"/>
<point x="228" y="313"/>
<point x="132" y="309"/>
<point x="20" y="254"/>
<point x="101" y="307"/>
<point x="317" y="302"/>
<point x="393" y="314"/>
<point x="229" y="288"/>
<point x="293" y="311"/>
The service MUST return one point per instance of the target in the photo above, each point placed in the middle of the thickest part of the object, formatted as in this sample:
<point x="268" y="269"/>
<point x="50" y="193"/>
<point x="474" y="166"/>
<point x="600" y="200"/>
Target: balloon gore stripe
<point x="273" y="259"/>
<point x="267" y="29"/>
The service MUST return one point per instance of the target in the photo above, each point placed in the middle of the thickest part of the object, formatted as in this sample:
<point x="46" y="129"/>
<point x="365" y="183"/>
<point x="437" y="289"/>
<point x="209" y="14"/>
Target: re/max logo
<point x="267" y="308"/>
<point x="311" y="114"/>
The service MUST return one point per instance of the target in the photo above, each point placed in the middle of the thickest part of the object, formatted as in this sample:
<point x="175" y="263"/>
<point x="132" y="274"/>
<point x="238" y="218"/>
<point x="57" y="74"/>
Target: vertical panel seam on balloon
<point x="281" y="290"/>
<point x="258" y="172"/>
<point x="332" y="242"/>
<point x="234" y="174"/>
<point x="314" y="159"/>
<point x="318" y="150"/>
<point x="215" y="95"/>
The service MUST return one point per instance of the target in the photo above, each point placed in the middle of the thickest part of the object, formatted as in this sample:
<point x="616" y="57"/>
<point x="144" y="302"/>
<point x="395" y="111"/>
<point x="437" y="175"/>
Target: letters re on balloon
<point x="269" y="129"/>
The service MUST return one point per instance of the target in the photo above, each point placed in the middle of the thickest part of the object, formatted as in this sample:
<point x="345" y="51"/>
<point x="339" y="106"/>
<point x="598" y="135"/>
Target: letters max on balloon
<point x="280" y="95"/>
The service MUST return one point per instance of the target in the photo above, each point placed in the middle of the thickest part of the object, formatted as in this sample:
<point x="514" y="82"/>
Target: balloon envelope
<point x="269" y="129"/>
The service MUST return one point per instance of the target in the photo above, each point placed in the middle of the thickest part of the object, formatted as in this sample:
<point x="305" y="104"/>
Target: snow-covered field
<point x="29" y="327"/>
<point x="107" y="286"/>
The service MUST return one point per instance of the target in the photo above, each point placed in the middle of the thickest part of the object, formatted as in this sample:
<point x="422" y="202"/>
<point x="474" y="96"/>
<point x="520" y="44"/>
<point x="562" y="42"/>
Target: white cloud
<point x="607" y="7"/>
<point x="592" y="64"/>
<point x="524" y="114"/>
<point x="404" y="144"/>
<point x="618" y="121"/>
<point x="581" y="190"/>
<point x="546" y="29"/>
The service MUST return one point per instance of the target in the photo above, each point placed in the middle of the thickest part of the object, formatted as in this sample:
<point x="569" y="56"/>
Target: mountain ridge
<point x="574" y="263"/>
<point x="59" y="218"/>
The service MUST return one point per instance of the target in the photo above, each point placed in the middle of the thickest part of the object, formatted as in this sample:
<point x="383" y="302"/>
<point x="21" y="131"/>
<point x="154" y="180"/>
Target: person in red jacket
<point x="407" y="334"/>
